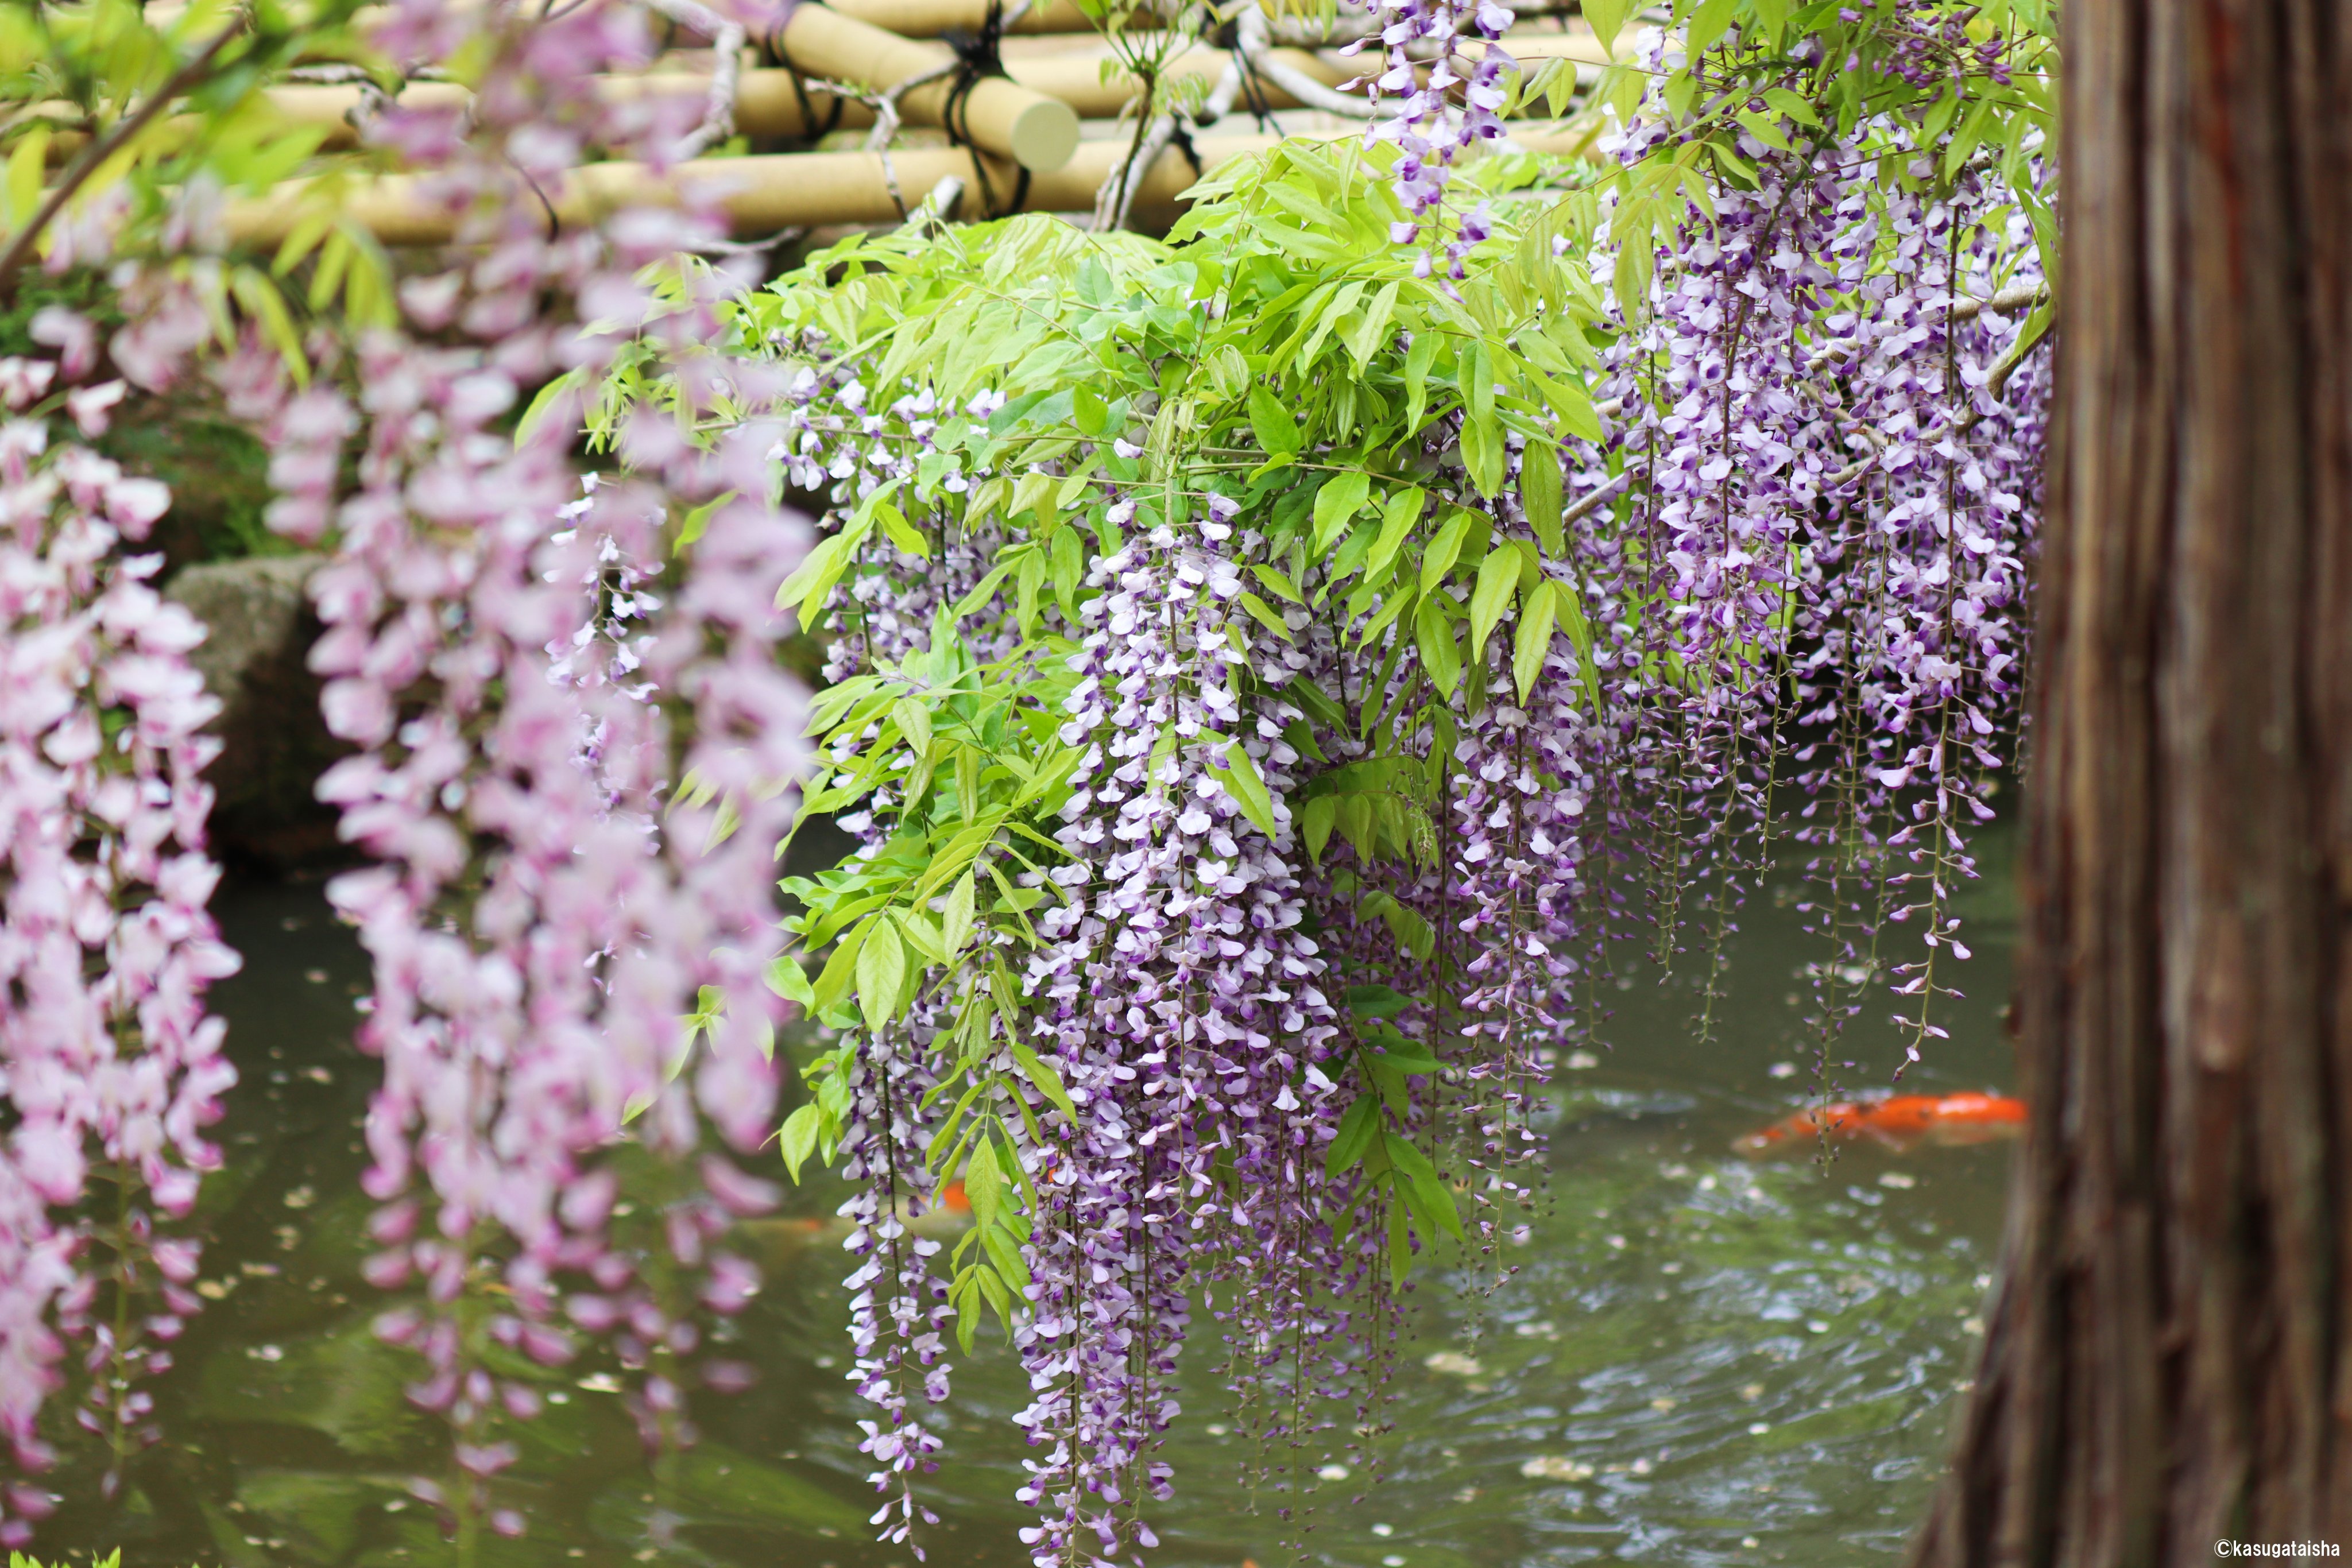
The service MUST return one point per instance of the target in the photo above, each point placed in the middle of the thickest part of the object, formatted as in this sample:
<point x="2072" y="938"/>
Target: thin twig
<point x="1117" y="198"/>
<point x="2016" y="297"/>
<point x="1592" y="500"/>
<point x="727" y="38"/>
<point x="95" y="156"/>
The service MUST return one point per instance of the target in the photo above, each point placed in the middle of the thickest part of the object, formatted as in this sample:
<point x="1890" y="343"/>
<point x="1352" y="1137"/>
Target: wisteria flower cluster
<point x="1433" y="125"/>
<point x="1258" y="764"/>
<point x="1833" y="453"/>
<point x="1271" y="681"/>
<point x="569" y="768"/>
<point x="110" y="1069"/>
<point x="573" y="746"/>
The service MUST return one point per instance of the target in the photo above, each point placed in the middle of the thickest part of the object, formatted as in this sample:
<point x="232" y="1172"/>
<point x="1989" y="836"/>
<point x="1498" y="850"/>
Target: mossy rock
<point x="274" y="744"/>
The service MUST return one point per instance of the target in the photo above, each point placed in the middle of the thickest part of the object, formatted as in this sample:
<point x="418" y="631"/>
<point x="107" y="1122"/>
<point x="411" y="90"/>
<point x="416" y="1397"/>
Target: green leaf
<point x="881" y="970"/>
<point x="798" y="1137"/>
<point x="1048" y="1082"/>
<point x="1399" y="1241"/>
<point x="259" y="296"/>
<point x="1088" y="412"/>
<point x="956" y="919"/>
<point x="1793" y="105"/>
<point x="1408" y="1159"/>
<point x="1433" y="636"/>
<point x="1377" y="1001"/>
<point x="983" y="1183"/>
<point x="991" y="1286"/>
<point x="1069" y="568"/>
<point x="1482" y="455"/>
<point x="960" y="1302"/>
<point x="1271" y="422"/>
<point x="902" y="533"/>
<point x="1316" y="821"/>
<point x="1278" y="582"/>
<point x="833" y="984"/>
<point x="545" y="402"/>
<point x="1536" y="616"/>
<point x="27" y="163"/>
<point x="1539" y="489"/>
<point x="1571" y="619"/>
<point x="1338" y="502"/>
<point x="818" y="570"/>
<point x="1371" y="329"/>
<point x="1417" y="361"/>
<point x="1356" y="1130"/>
<point x="1264" y="615"/>
<point x="1764" y="128"/>
<point x="1438" y="559"/>
<point x="1240" y="779"/>
<point x="1707" y="25"/>
<point x="1005" y="1253"/>
<point x="1498" y="577"/>
<point x="914" y="721"/>
<point x="790" y="981"/>
<point x="1398" y="516"/>
<point x="1477" y="374"/>
<point x="1434" y="1204"/>
<point x="1607" y="18"/>
<point x="1410" y="1057"/>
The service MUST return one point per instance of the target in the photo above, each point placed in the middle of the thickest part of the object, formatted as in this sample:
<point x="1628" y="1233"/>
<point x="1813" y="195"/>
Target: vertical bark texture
<point x="2168" y="1357"/>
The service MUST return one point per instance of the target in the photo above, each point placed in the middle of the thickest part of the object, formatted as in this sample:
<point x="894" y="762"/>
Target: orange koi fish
<point x="784" y="1236"/>
<point x="1900" y="1122"/>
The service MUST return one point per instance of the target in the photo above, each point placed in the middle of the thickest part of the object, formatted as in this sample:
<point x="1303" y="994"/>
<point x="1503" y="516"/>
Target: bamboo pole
<point x="908" y="18"/>
<point x="765" y="194"/>
<point x="772" y="102"/>
<point x="930" y="18"/>
<point x="992" y="112"/>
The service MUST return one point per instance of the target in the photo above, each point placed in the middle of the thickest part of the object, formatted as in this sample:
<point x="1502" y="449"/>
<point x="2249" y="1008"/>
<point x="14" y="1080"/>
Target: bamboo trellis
<point x="765" y="194"/>
<point x="1017" y="132"/>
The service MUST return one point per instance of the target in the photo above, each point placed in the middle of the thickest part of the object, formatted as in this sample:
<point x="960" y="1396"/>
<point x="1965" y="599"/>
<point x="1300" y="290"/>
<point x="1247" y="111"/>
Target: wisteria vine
<point x="573" y="746"/>
<point x="1361" y="731"/>
<point x="1273" y="676"/>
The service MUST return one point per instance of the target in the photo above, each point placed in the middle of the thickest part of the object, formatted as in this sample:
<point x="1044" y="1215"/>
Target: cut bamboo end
<point x="761" y="195"/>
<point x="993" y="113"/>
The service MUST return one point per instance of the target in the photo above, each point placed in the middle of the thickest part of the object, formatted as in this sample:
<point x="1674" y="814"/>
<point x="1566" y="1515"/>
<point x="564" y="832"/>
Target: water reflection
<point x="1697" y="1361"/>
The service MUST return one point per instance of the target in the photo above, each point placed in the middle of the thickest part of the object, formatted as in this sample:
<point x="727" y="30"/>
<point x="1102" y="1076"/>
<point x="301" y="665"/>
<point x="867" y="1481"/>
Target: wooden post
<point x="2167" y="1368"/>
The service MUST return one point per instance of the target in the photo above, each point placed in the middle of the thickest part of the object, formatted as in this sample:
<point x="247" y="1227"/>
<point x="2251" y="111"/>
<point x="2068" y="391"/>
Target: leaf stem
<point x="95" y="156"/>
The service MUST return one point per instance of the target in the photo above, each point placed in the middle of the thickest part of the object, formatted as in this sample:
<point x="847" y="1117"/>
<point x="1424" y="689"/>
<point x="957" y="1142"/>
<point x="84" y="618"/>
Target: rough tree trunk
<point x="2168" y="1360"/>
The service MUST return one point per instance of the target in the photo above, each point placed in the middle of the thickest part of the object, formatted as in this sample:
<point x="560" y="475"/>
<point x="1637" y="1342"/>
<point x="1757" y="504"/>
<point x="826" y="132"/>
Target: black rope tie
<point x="979" y="57"/>
<point x="554" y="224"/>
<point x="1228" y="37"/>
<point x="773" y="46"/>
<point x="1180" y="139"/>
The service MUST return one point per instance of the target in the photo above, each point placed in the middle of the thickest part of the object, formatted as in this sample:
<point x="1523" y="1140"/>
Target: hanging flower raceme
<point x="1257" y="756"/>
<point x="1423" y="46"/>
<point x="573" y="744"/>
<point x="1186" y="1009"/>
<point x="1832" y="449"/>
<point x="110" y="1069"/>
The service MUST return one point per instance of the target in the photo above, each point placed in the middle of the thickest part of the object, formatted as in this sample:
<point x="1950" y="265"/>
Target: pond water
<point x="1699" y="1360"/>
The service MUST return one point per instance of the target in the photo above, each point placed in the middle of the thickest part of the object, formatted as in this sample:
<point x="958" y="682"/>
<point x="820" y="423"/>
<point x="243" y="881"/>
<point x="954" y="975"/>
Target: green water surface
<point x="1699" y="1360"/>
